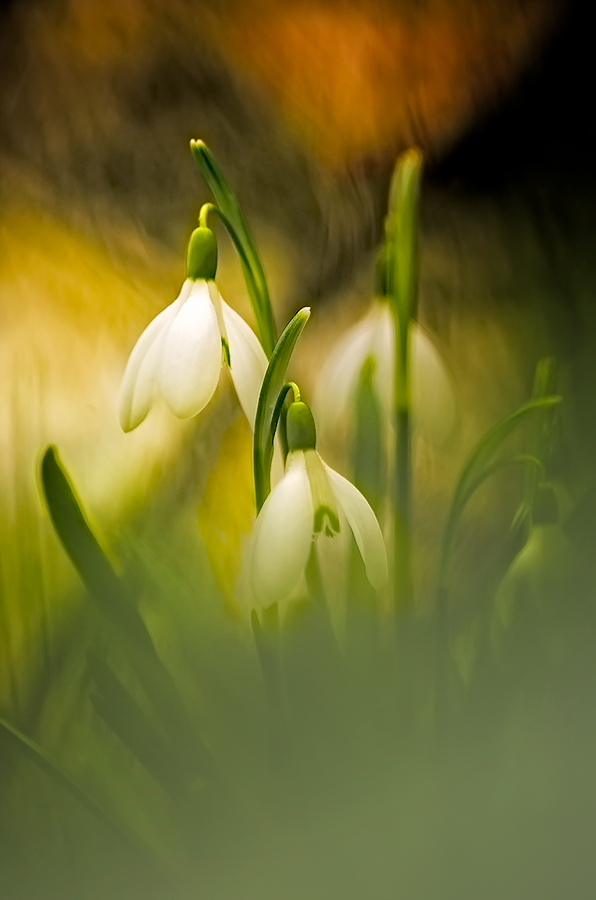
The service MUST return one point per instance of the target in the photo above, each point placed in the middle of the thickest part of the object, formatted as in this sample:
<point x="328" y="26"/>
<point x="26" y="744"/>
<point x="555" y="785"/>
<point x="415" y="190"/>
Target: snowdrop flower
<point x="179" y="355"/>
<point x="373" y="337"/>
<point x="310" y="499"/>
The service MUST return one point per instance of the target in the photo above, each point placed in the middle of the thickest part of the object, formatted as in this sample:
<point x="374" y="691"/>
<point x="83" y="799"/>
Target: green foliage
<point x="232" y="216"/>
<point x="480" y="466"/>
<point x="311" y="756"/>
<point x="117" y="826"/>
<point x="122" y="615"/>
<point x="271" y="399"/>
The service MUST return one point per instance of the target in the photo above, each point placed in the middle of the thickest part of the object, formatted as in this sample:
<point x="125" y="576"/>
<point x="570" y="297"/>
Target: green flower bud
<point x="201" y="256"/>
<point x="300" y="427"/>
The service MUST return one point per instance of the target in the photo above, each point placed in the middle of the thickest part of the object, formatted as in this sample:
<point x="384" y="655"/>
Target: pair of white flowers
<point x="179" y="358"/>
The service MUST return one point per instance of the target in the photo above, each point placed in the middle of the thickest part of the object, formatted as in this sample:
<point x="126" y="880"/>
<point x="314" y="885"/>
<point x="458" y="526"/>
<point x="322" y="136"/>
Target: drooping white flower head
<point x="310" y="499"/>
<point x="180" y="354"/>
<point x="373" y="337"/>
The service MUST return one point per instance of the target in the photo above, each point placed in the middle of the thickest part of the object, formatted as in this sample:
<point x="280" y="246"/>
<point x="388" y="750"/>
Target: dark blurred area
<point x="99" y="102"/>
<point x="305" y="106"/>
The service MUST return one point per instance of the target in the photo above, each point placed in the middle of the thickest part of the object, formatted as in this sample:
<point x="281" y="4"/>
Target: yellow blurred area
<point x="227" y="510"/>
<point x="71" y="309"/>
<point x="68" y="319"/>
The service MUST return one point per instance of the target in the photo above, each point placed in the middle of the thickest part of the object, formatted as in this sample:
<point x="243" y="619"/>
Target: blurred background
<point x="305" y="105"/>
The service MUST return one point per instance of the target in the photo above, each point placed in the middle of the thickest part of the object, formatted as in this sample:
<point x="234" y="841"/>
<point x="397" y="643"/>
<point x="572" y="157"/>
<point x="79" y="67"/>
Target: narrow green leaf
<point x="120" y="612"/>
<point x="131" y="724"/>
<point x="540" y="437"/>
<point x="235" y="222"/>
<point x="120" y="830"/>
<point x="271" y="402"/>
<point x="480" y="465"/>
<point x="523" y="459"/>
<point x="494" y="438"/>
<point x="85" y="553"/>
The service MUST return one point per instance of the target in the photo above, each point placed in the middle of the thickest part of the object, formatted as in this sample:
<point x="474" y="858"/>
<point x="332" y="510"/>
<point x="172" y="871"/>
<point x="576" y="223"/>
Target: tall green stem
<point x="402" y="284"/>
<point x="402" y="557"/>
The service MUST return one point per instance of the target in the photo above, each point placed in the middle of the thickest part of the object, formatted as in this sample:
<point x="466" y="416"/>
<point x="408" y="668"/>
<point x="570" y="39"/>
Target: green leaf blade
<point x="480" y="464"/>
<point x="269" y="407"/>
<point x="136" y="730"/>
<point x="235" y="222"/>
<point x="85" y="552"/>
<point x="120" y="611"/>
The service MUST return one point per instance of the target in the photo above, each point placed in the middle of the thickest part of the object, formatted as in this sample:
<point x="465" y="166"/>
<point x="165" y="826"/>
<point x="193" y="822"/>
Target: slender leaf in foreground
<point x="133" y="726"/>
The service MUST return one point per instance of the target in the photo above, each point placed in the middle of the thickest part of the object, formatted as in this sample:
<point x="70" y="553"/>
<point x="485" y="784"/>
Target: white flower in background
<point x="373" y="337"/>
<point x="180" y="354"/>
<point x="310" y="499"/>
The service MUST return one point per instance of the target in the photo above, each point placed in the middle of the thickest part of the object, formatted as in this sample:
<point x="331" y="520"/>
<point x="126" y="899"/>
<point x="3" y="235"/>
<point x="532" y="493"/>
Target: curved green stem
<point x="292" y="386"/>
<point x="479" y="467"/>
<point x="402" y="268"/>
<point x="204" y="211"/>
<point x="228" y="208"/>
<point x="402" y="556"/>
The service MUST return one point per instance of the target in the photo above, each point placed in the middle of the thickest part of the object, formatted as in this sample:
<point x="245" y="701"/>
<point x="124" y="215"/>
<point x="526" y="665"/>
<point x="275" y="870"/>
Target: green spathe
<point x="300" y="427"/>
<point x="201" y="256"/>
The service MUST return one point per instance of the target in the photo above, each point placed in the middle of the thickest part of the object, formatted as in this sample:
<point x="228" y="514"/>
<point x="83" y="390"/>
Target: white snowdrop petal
<point x="339" y="376"/>
<point x="191" y="355"/>
<point x="433" y="400"/>
<point x="248" y="362"/>
<point x="364" y="525"/>
<point x="283" y="536"/>
<point x="138" y="383"/>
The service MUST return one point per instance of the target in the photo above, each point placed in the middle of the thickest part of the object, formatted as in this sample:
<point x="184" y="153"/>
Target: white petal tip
<point x="127" y="423"/>
<point x="378" y="575"/>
